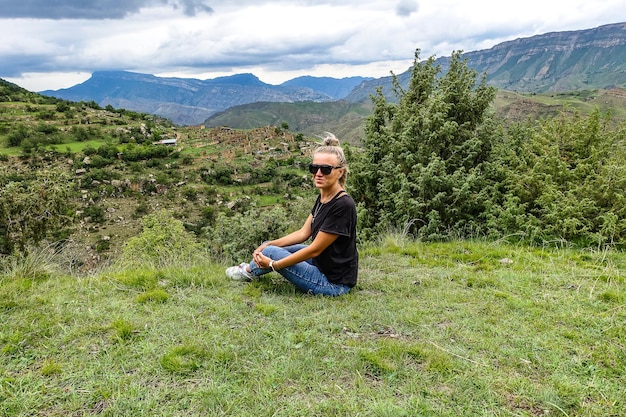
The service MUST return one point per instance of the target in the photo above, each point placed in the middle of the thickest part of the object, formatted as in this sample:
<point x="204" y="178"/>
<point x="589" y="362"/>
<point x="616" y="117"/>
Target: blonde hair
<point x="330" y="145"/>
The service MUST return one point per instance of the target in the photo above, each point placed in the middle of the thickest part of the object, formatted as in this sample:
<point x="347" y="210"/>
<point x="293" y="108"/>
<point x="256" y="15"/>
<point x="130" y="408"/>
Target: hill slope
<point x="347" y="119"/>
<point x="559" y="61"/>
<point x="118" y="171"/>
<point x="341" y="117"/>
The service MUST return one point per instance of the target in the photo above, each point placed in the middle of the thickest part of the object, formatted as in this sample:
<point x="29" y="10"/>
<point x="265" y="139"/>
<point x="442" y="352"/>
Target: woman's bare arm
<point x="321" y="242"/>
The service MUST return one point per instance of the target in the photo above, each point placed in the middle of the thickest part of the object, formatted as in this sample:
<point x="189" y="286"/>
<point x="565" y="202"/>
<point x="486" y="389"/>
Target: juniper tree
<point x="424" y="165"/>
<point x="565" y="180"/>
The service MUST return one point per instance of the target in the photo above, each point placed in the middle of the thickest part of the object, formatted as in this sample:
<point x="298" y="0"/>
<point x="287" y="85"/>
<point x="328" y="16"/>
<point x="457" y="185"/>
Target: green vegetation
<point x="343" y="118"/>
<point x="347" y="120"/>
<point x="428" y="153"/>
<point x="104" y="170"/>
<point x="33" y="207"/>
<point x="439" y="165"/>
<point x="446" y="329"/>
<point x="518" y="107"/>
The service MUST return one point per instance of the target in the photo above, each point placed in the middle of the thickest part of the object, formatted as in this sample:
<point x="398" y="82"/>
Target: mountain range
<point x="189" y="101"/>
<point x="552" y="62"/>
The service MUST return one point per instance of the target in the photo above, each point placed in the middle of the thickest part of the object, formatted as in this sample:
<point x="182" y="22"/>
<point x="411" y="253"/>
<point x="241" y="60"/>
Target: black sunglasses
<point x="326" y="169"/>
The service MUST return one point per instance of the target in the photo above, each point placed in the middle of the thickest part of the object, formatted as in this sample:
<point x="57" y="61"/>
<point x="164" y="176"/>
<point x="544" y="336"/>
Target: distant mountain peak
<point x="119" y="73"/>
<point x="185" y="101"/>
<point x="239" y="79"/>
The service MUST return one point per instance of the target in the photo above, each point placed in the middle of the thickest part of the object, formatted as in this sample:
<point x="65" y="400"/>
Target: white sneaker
<point x="239" y="272"/>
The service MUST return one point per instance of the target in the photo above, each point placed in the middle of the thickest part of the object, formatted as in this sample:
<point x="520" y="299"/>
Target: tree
<point x="424" y="165"/>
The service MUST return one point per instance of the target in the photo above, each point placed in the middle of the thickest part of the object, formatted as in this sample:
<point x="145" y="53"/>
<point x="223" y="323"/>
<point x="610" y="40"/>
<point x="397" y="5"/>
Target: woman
<point x="329" y="264"/>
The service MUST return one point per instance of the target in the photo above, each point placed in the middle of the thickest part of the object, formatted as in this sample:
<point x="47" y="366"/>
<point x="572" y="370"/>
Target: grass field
<point x="450" y="329"/>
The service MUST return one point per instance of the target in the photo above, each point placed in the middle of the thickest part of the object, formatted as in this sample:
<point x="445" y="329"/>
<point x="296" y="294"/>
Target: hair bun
<point x="330" y="140"/>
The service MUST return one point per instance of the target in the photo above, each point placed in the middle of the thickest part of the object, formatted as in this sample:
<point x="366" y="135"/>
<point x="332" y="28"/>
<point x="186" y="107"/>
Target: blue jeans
<point x="304" y="275"/>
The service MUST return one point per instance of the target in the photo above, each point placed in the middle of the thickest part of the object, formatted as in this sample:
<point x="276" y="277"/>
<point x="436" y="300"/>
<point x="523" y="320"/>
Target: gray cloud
<point x="192" y="7"/>
<point x="406" y="7"/>
<point x="13" y="64"/>
<point x="100" y="9"/>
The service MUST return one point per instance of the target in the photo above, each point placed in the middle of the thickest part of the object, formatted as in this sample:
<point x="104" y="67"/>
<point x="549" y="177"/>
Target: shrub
<point x="17" y="136"/>
<point x="63" y="106"/>
<point x="98" y="161"/>
<point x="163" y="241"/>
<point x="439" y="166"/>
<point x="95" y="213"/>
<point x="33" y="209"/>
<point x="46" y="114"/>
<point x="564" y="180"/>
<point x="233" y="238"/>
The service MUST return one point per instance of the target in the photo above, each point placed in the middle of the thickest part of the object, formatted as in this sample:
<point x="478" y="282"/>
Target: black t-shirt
<point x="340" y="261"/>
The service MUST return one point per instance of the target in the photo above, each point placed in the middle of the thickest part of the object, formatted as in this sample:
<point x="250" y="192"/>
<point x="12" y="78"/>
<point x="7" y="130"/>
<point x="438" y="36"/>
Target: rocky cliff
<point x="557" y="61"/>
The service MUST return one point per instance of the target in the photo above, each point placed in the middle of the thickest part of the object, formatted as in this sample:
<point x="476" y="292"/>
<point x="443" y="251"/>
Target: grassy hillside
<point x="347" y="119"/>
<point x="516" y="106"/>
<point x="455" y="329"/>
<point x="208" y="171"/>
<point x="344" y="119"/>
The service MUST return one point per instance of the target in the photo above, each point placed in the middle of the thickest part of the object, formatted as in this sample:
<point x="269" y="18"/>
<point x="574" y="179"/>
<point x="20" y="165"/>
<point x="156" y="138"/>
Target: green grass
<point x="10" y="151"/>
<point x="269" y="200"/>
<point x="432" y="329"/>
<point x="80" y="146"/>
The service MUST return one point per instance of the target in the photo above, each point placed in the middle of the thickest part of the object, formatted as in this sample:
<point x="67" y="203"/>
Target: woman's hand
<point x="261" y="260"/>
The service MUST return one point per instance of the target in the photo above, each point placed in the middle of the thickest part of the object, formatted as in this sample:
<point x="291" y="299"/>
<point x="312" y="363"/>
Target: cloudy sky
<point x="51" y="44"/>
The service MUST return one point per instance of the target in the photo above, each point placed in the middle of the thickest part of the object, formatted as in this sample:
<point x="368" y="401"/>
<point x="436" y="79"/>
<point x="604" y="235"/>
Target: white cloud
<point x="40" y="81"/>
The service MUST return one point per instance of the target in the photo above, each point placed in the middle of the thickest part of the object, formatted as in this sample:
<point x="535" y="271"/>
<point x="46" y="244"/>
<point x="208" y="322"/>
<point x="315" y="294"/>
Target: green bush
<point x="162" y="241"/>
<point x="219" y="174"/>
<point x="17" y="136"/>
<point x="33" y="209"/>
<point x="135" y="153"/>
<point x="232" y="238"/>
<point x="108" y="151"/>
<point x="564" y="180"/>
<point x="95" y="213"/>
<point x="98" y="161"/>
<point x="438" y="166"/>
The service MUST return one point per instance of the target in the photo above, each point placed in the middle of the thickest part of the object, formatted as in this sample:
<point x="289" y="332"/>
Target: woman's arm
<point x="319" y="244"/>
<point x="293" y="238"/>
